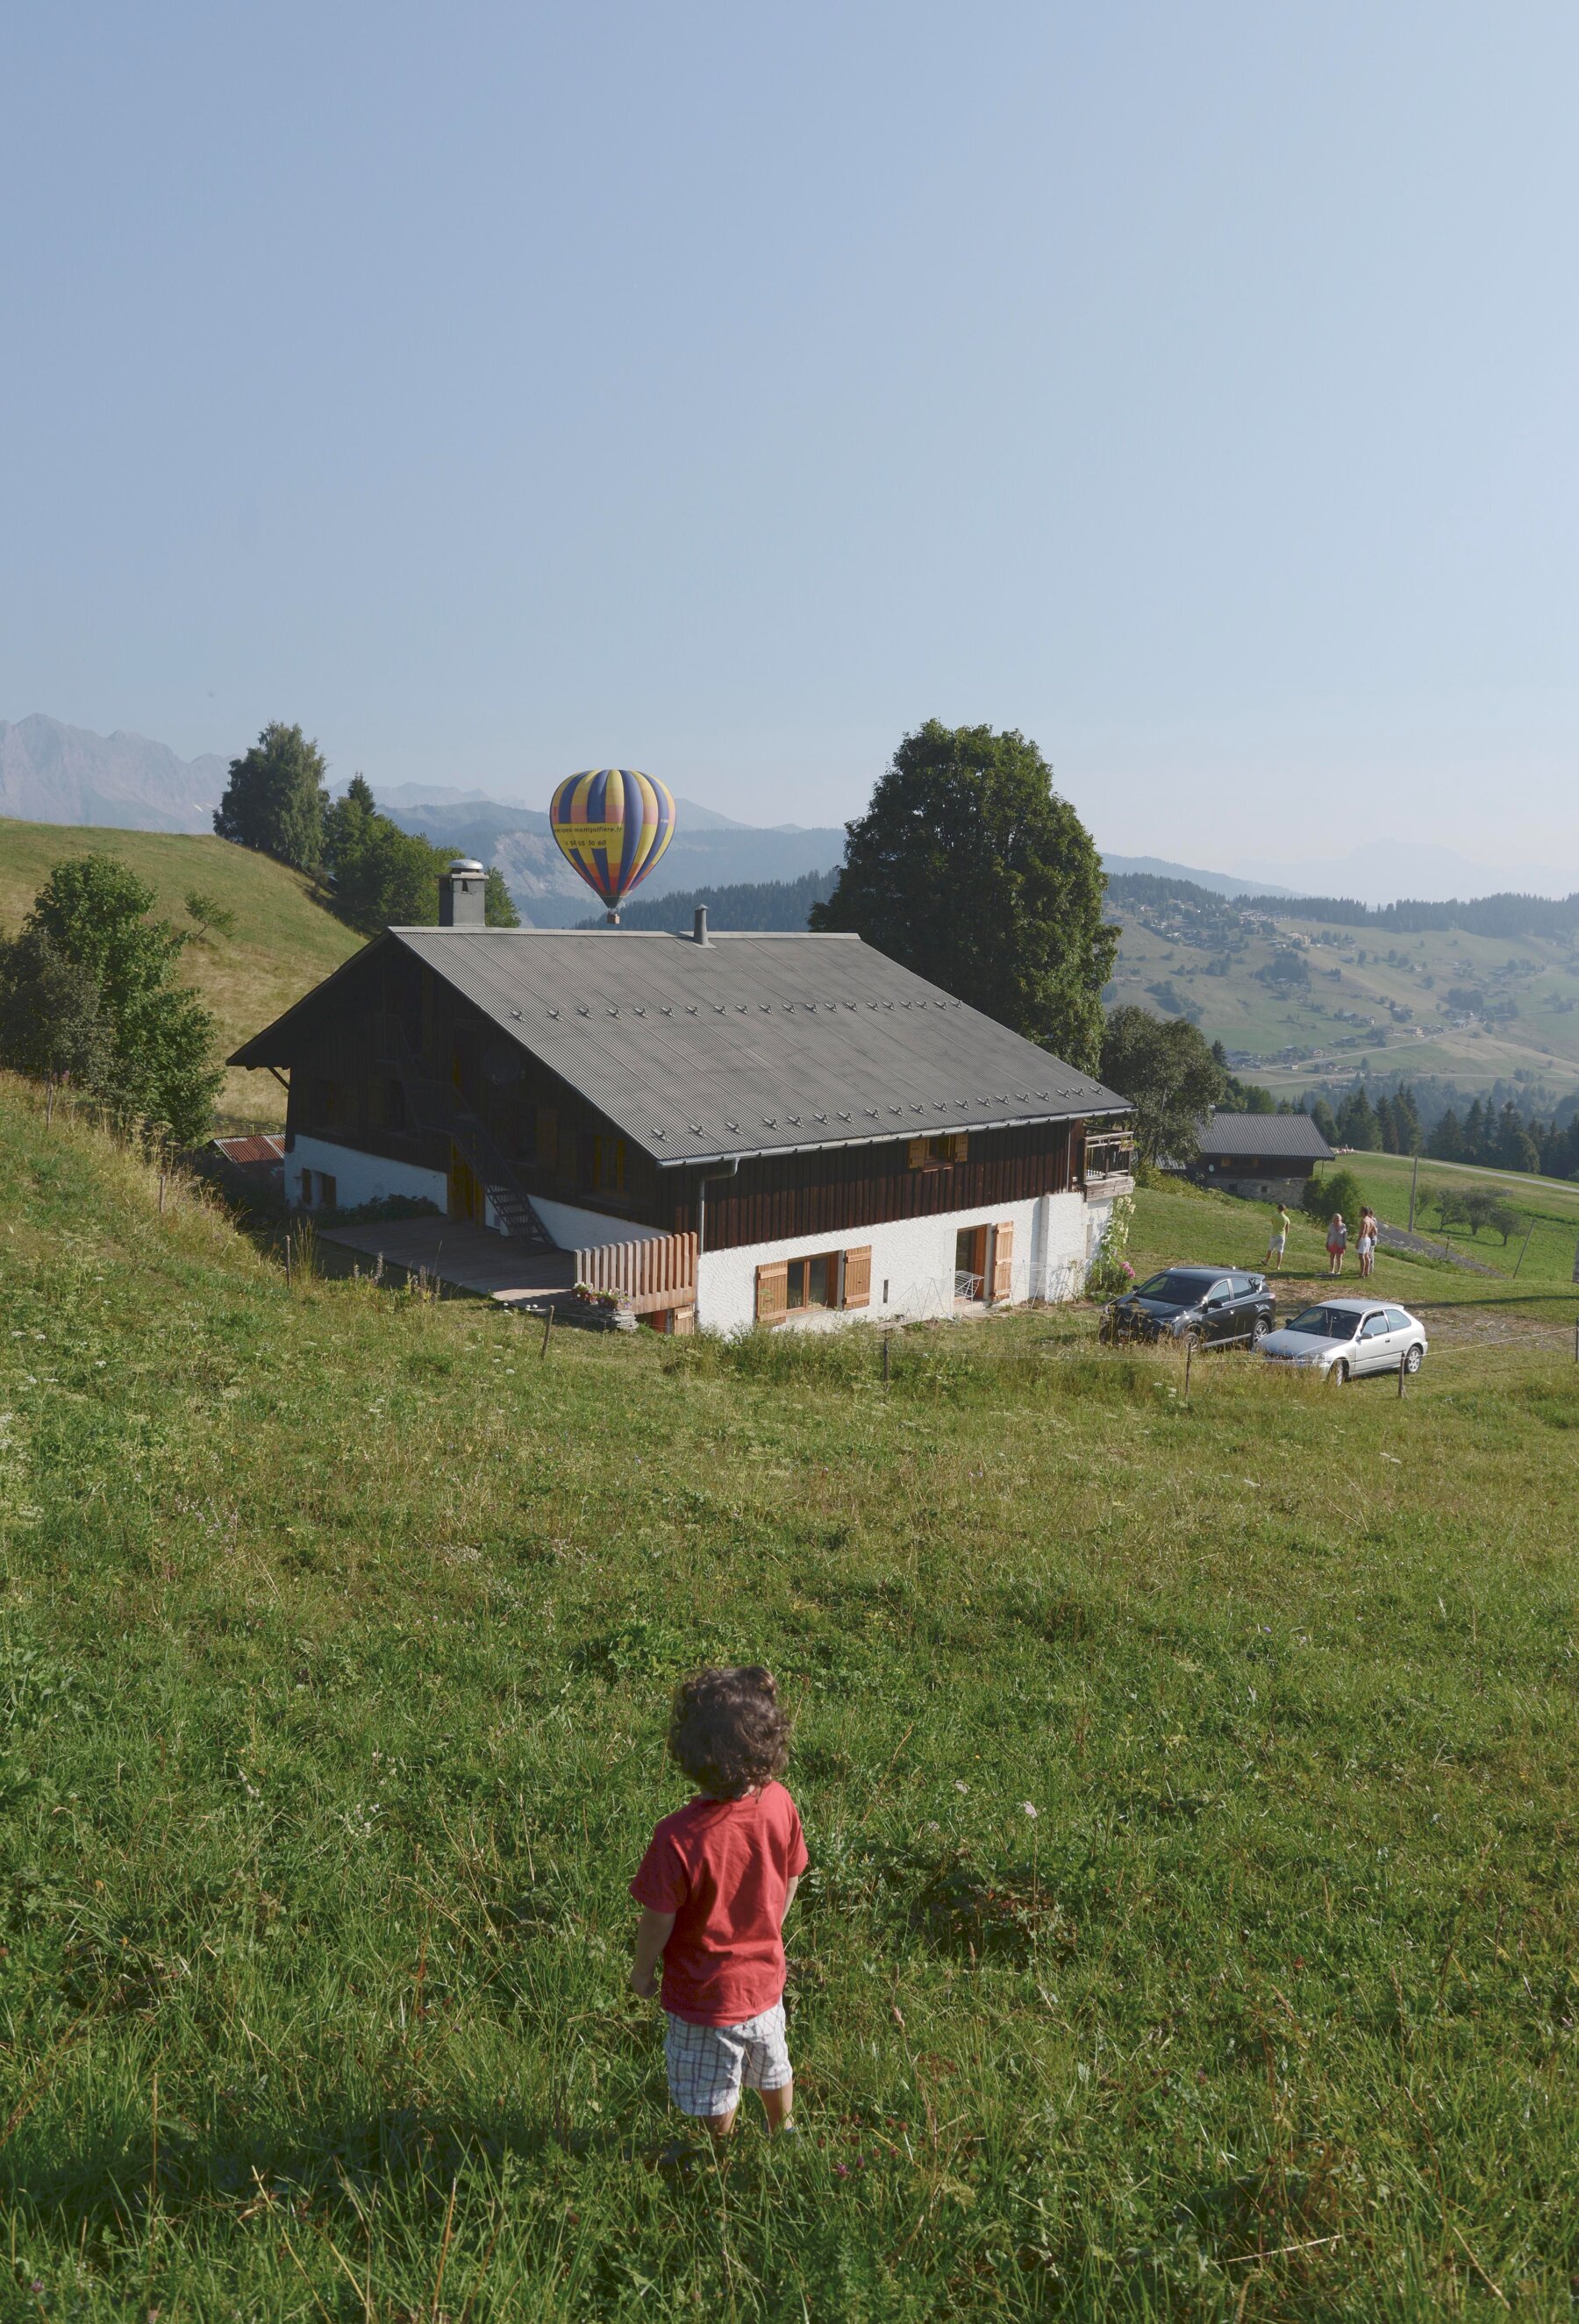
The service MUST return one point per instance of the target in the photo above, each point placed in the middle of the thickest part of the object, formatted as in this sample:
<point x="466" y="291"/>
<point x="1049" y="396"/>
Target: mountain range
<point x="50" y="772"/>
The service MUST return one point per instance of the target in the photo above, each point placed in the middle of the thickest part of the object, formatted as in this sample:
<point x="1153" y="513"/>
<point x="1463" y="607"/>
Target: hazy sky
<point x="722" y="391"/>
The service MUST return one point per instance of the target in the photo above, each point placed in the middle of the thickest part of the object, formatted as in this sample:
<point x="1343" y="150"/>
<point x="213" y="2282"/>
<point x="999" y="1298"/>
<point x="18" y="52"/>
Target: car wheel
<point x="1339" y="1373"/>
<point x="1415" y="1358"/>
<point x="1257" y="1332"/>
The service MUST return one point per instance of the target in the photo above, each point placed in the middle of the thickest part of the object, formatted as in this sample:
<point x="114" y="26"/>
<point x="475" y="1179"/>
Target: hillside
<point x="1303" y="1003"/>
<point x="284" y="941"/>
<point x="326" y="1762"/>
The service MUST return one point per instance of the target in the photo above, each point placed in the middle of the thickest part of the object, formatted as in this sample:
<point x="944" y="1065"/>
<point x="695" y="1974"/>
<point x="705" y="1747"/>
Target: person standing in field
<point x="1367" y="1240"/>
<point x="715" y="1883"/>
<point x="1337" y="1242"/>
<point x="1279" y="1239"/>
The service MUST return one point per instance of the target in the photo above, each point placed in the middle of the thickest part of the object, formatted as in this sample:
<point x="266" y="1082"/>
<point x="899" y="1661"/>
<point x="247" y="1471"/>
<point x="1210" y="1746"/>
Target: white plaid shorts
<point x="708" y="2063"/>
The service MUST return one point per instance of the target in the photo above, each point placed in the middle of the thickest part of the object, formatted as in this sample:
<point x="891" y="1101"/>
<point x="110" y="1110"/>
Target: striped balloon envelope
<point x="612" y="824"/>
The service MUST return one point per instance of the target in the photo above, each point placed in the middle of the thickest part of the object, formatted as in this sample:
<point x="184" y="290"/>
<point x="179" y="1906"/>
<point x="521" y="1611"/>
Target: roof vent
<point x="699" y="926"/>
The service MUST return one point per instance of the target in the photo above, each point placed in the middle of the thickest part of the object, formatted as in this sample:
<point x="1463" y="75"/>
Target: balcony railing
<point x="647" y="1277"/>
<point x="1107" y="1158"/>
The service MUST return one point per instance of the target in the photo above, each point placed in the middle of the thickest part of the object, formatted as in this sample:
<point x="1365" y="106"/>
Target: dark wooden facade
<point x="347" y="1086"/>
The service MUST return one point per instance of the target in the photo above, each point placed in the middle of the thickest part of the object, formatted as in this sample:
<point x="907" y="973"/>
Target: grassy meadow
<point x="334" y="1632"/>
<point x="1378" y="971"/>
<point x="284" y="941"/>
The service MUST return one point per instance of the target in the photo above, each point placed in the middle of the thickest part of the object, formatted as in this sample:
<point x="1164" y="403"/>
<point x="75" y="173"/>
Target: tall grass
<point x="334" y="1638"/>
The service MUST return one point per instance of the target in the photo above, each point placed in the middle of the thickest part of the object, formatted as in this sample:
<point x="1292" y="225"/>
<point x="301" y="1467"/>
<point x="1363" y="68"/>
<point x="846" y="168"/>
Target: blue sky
<point x="502" y="390"/>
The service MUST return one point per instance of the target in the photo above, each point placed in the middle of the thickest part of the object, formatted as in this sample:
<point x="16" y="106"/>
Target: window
<point x="327" y="1194"/>
<point x="608" y="1164"/>
<point x="935" y="1153"/>
<point x="812" y="1282"/>
<point x="1397" y="1321"/>
<point x="306" y="1188"/>
<point x="823" y="1279"/>
<point x="970" y="1262"/>
<point x="1374" y="1326"/>
<point x="1241" y="1286"/>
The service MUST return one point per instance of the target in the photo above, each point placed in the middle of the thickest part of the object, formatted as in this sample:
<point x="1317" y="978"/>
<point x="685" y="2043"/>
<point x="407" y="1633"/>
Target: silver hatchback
<point x="1341" y="1338"/>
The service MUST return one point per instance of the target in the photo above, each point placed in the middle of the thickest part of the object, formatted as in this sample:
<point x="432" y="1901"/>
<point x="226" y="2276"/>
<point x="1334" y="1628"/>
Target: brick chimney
<point x="463" y="892"/>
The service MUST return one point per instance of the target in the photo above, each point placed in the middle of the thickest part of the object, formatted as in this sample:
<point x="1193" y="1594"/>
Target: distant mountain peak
<point x="50" y="772"/>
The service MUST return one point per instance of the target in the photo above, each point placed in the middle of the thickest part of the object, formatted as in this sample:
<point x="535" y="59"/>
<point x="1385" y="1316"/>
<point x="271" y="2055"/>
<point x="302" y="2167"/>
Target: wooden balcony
<point x="1109" y="1167"/>
<point x="647" y="1277"/>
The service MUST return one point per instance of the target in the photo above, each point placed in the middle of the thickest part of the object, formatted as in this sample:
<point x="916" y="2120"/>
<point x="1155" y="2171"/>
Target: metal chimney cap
<point x="699" y="925"/>
<point x="465" y="867"/>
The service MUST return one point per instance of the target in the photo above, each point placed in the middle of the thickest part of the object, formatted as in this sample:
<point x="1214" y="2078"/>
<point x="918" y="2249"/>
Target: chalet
<point x="726" y="1130"/>
<point x="1269" y="1156"/>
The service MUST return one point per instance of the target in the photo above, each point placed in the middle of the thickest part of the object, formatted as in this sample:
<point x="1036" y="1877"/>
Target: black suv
<point x="1214" y="1307"/>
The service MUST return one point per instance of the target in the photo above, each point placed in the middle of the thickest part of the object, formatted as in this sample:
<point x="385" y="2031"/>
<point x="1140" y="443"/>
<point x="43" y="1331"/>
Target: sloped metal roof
<point x="1283" y="1137"/>
<point x="747" y="1045"/>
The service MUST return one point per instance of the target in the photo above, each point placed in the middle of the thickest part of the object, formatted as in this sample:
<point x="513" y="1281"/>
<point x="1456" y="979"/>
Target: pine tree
<point x="1446" y="1140"/>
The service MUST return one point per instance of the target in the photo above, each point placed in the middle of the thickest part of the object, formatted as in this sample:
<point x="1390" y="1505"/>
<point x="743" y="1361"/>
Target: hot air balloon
<point x="612" y="824"/>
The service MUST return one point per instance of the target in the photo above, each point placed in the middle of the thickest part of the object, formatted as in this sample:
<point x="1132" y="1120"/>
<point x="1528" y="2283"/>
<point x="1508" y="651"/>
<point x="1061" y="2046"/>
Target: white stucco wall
<point x="912" y="1264"/>
<point x="360" y="1178"/>
<point x="577" y="1229"/>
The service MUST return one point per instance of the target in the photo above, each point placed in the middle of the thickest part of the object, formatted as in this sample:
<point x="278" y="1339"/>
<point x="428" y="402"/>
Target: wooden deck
<point x="461" y="1257"/>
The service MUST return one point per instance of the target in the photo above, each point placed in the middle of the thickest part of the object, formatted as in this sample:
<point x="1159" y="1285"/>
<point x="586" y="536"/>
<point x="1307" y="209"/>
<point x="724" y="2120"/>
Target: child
<point x="715" y="1886"/>
<point x="1279" y="1243"/>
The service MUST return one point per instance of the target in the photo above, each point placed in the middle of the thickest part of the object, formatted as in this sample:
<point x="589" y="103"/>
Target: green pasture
<point x="335" y="1633"/>
<point x="1539" y="975"/>
<point x="284" y="941"/>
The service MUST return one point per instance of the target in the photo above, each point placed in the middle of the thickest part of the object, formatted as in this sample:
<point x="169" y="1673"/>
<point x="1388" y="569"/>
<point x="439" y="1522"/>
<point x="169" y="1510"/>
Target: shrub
<point x="1339" y="1191"/>
<point x="1111" y="1273"/>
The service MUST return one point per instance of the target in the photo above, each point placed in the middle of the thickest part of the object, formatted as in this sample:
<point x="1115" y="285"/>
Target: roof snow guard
<point x="744" y="1044"/>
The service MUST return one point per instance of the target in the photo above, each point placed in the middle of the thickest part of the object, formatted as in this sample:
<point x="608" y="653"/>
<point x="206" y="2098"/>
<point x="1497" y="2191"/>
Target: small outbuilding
<point x="1268" y="1157"/>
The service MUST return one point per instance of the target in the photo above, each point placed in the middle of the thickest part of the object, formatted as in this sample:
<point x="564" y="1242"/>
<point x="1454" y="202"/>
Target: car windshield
<point x="1177" y="1288"/>
<point x="1326" y="1323"/>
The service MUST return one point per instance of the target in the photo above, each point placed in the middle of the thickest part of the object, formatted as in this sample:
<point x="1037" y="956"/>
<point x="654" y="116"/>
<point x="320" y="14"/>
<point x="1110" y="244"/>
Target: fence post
<point x="1189" y="1352"/>
<point x="1401" y="1377"/>
<point x="287" y="1259"/>
<point x="885" y="1340"/>
<point x="548" y="1327"/>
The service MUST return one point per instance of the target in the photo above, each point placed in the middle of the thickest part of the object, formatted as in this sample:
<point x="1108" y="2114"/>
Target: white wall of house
<point x="912" y="1264"/>
<point x="358" y="1177"/>
<point x="577" y="1230"/>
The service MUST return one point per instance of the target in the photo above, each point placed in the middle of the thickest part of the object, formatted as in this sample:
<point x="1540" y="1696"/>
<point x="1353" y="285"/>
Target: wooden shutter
<point x="958" y="1146"/>
<point x="1002" y="1259"/>
<point x="772" y="1293"/>
<point x="858" y="1277"/>
<point x="916" y="1153"/>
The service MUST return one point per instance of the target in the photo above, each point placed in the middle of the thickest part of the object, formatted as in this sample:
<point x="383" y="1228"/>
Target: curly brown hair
<point x="726" y="1730"/>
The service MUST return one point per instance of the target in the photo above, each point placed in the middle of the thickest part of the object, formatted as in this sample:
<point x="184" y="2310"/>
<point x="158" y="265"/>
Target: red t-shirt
<point x="723" y="1867"/>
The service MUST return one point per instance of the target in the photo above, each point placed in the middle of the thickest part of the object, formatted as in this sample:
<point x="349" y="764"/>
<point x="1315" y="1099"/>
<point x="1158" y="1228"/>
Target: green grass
<point x="334" y="1639"/>
<point x="1541" y="975"/>
<point x="1549" y="1208"/>
<point x="284" y="942"/>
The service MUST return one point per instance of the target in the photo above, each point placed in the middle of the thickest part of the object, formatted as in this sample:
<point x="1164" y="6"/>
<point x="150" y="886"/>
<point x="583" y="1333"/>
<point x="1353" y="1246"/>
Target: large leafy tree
<point x="970" y="869"/>
<point x="275" y="798"/>
<point x="93" y="959"/>
<point x="52" y="1027"/>
<point x="383" y="877"/>
<point x="1169" y="1076"/>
